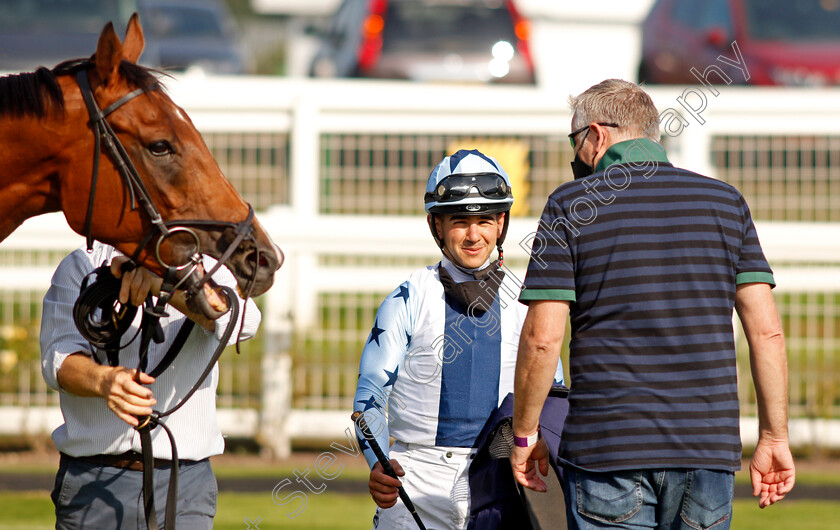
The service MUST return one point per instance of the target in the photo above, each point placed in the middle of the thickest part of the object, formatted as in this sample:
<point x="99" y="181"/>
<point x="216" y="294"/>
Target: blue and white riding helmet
<point x="468" y="183"/>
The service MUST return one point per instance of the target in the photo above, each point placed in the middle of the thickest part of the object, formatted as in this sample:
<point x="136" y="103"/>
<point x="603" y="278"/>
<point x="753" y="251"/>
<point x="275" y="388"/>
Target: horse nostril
<point x="257" y="259"/>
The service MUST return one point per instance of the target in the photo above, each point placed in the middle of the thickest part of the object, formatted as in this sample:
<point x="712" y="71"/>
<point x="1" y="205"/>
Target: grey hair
<point x="617" y="101"/>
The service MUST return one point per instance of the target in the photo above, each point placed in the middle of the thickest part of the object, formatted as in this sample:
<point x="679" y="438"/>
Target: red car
<point x="473" y="41"/>
<point x="756" y="42"/>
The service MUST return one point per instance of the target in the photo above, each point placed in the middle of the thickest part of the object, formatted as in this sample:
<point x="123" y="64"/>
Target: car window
<point x="715" y="14"/>
<point x="181" y="21"/>
<point x="341" y="19"/>
<point x="50" y="15"/>
<point x="703" y="14"/>
<point x="685" y="11"/>
<point x="440" y="27"/>
<point x="802" y="20"/>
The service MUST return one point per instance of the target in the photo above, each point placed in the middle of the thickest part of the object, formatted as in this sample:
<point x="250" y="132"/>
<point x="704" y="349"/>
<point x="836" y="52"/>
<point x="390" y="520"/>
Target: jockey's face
<point x="468" y="240"/>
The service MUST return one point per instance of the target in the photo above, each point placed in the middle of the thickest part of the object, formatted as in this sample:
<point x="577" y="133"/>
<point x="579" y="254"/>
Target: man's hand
<point x="384" y="488"/>
<point x="140" y="282"/>
<point x="771" y="471"/>
<point x="81" y="376"/>
<point x="125" y="396"/>
<point x="524" y="471"/>
<point x="136" y="283"/>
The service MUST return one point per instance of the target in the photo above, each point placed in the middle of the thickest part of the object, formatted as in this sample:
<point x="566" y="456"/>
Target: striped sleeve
<point x="550" y="274"/>
<point x="752" y="266"/>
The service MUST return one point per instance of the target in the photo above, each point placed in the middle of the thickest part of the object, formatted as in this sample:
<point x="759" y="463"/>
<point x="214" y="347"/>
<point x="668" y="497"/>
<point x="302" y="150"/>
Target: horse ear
<point x="134" y="41"/>
<point x="108" y="54"/>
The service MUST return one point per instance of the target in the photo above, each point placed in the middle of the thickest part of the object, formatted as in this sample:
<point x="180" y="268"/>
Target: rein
<point x="105" y="332"/>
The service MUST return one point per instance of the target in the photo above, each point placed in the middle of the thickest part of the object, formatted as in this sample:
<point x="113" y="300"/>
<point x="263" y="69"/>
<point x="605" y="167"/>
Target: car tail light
<point x="523" y="32"/>
<point x="370" y="48"/>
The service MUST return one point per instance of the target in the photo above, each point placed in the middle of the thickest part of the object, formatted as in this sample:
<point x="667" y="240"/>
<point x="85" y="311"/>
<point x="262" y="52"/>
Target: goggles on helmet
<point x="456" y="187"/>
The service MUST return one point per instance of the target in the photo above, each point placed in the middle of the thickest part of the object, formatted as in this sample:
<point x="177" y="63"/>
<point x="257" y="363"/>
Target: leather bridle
<point x="106" y="140"/>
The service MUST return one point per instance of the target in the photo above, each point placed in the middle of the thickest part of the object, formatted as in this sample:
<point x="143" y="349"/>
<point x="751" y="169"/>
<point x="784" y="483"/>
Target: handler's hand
<point x="384" y="488"/>
<point x="136" y="283"/>
<point x="771" y="471"/>
<point x="124" y="396"/>
<point x="524" y="471"/>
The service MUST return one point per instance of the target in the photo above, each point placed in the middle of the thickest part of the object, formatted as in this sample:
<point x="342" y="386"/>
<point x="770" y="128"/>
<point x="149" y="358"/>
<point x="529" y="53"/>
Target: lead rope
<point x="104" y="331"/>
<point x="150" y="422"/>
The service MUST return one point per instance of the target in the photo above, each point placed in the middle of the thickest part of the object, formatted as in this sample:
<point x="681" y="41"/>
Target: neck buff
<point x="476" y="296"/>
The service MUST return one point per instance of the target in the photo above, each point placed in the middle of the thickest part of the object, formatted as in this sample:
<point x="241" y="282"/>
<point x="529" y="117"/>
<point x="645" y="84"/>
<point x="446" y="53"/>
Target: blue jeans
<point x="665" y="499"/>
<point x="87" y="496"/>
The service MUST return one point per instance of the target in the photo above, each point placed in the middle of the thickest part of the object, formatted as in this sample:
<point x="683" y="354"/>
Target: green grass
<point x="328" y="511"/>
<point x="786" y="515"/>
<point x="33" y="510"/>
<point x="331" y="511"/>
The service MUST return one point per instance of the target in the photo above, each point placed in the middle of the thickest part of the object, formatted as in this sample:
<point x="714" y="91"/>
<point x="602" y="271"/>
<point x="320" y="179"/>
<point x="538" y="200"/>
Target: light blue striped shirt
<point x="90" y="427"/>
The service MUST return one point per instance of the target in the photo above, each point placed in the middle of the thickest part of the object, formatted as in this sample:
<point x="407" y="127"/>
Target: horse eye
<point x="161" y="148"/>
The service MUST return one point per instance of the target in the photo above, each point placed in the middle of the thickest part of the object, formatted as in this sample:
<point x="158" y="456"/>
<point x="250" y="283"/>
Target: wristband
<point x="527" y="441"/>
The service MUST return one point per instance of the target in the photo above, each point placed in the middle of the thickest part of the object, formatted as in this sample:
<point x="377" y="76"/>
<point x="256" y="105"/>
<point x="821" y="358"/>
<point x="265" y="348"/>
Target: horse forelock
<point x="32" y="93"/>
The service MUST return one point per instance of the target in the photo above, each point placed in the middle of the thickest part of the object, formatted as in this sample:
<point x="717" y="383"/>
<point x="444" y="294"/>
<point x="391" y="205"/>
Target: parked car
<point x="37" y="33"/>
<point x="482" y="41"/>
<point x="192" y="34"/>
<point x="783" y="42"/>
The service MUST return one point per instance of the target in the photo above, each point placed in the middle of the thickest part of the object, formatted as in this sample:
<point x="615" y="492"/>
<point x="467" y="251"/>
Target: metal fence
<point x="336" y="172"/>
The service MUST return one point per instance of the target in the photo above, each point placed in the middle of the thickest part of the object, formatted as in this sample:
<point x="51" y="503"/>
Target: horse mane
<point x="32" y="93"/>
<point x="25" y="94"/>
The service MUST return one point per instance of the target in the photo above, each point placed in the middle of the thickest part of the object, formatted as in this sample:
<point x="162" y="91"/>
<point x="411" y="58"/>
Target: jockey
<point x="441" y="355"/>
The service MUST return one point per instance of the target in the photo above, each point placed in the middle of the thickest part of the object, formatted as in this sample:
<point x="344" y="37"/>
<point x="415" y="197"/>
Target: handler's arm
<point x="539" y="351"/>
<point x="771" y="469"/>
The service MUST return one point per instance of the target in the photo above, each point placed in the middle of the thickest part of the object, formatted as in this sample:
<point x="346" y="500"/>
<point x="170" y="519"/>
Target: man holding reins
<point x="100" y="479"/>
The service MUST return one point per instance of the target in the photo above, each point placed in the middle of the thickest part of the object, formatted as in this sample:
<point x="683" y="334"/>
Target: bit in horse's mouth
<point x="215" y="298"/>
<point x="212" y="293"/>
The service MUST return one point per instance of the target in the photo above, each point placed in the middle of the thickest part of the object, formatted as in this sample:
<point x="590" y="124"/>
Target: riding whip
<point x="359" y="419"/>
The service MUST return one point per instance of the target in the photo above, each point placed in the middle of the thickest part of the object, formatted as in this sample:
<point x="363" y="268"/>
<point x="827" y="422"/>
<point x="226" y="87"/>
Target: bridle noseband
<point x="107" y="140"/>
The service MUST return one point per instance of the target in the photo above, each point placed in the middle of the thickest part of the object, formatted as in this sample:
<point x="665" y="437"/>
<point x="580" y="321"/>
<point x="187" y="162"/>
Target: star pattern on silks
<point x="370" y="403"/>
<point x="375" y="333"/>
<point x="403" y="293"/>
<point x="392" y="376"/>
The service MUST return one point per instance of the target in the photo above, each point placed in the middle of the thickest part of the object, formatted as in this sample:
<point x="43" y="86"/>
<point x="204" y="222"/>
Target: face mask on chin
<point x="580" y="169"/>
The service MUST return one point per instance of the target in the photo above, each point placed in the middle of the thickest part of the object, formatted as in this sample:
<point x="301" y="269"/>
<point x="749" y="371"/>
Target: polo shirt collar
<point x="632" y="151"/>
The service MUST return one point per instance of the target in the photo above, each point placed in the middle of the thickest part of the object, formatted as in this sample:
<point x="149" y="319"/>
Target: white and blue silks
<point x="436" y="370"/>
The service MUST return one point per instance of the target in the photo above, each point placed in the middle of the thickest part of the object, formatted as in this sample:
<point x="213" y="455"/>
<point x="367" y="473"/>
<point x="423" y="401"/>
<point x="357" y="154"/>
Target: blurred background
<point x="328" y="116"/>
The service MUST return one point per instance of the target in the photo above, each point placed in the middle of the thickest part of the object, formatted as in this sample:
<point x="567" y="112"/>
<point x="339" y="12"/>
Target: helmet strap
<point x="433" y="227"/>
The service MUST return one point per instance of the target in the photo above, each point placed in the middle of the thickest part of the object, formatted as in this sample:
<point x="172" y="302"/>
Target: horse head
<point x="159" y="166"/>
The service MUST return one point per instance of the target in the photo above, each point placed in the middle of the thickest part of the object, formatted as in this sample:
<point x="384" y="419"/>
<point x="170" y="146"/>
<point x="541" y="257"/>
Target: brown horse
<point x="51" y="135"/>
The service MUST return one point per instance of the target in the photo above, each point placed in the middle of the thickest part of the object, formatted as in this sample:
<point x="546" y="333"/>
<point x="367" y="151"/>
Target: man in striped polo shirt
<point x="648" y="261"/>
